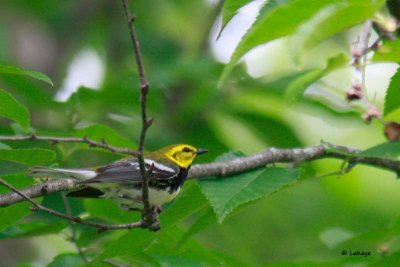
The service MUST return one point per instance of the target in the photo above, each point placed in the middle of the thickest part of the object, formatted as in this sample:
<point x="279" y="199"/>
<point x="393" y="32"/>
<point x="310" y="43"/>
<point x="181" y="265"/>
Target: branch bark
<point x="226" y="168"/>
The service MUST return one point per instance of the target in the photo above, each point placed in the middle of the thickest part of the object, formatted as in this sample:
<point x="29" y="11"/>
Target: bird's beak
<point x="201" y="151"/>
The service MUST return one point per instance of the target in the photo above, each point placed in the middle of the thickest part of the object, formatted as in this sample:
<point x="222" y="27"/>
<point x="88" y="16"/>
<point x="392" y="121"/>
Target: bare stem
<point x="55" y="139"/>
<point x="359" y="89"/>
<point x="146" y="123"/>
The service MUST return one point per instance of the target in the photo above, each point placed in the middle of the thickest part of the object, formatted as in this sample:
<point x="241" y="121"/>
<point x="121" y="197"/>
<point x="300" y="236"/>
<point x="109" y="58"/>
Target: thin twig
<point x="146" y="123"/>
<point x="55" y="139"/>
<point x="360" y="61"/>
<point x="226" y="168"/>
<point x="102" y="227"/>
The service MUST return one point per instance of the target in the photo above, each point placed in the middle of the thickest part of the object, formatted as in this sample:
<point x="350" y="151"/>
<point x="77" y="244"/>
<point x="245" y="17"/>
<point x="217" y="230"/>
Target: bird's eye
<point x="186" y="149"/>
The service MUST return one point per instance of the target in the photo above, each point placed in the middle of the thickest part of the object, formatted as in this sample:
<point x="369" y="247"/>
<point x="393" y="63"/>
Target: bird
<point x="121" y="180"/>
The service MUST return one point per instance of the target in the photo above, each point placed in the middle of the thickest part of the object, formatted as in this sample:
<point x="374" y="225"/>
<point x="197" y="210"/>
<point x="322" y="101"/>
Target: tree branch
<point x="149" y="216"/>
<point x="226" y="168"/>
<point x="54" y="140"/>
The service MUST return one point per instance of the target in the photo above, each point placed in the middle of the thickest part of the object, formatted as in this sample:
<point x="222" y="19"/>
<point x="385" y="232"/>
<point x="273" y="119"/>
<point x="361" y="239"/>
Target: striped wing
<point x="128" y="171"/>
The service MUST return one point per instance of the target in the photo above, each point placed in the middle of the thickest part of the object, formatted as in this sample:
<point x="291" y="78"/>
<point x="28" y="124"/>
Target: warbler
<point x="168" y="168"/>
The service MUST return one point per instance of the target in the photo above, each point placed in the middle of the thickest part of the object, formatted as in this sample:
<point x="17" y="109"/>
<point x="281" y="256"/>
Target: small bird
<point x="122" y="181"/>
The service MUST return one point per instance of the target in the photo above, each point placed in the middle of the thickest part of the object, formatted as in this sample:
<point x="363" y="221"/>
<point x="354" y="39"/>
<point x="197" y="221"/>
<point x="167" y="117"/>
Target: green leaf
<point x="14" y="213"/>
<point x="28" y="156"/>
<point x="11" y="109"/>
<point x="108" y="210"/>
<point x="67" y="259"/>
<point x="190" y="201"/>
<point x="33" y="74"/>
<point x="229" y="9"/>
<point x="386" y="150"/>
<point x="32" y="229"/>
<point x="388" y="52"/>
<point x="227" y="193"/>
<point x="331" y="20"/>
<point x="279" y="22"/>
<point x="392" y="98"/>
<point x="299" y="85"/>
<point x="205" y="219"/>
<point x="98" y="132"/>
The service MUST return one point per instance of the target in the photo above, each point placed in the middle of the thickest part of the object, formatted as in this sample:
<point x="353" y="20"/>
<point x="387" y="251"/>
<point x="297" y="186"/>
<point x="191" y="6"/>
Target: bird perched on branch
<point x="121" y="180"/>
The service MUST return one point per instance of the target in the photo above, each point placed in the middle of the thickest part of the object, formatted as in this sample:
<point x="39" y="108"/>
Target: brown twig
<point x="85" y="140"/>
<point x="37" y="207"/>
<point x="360" y="61"/>
<point x="146" y="123"/>
<point x="226" y="168"/>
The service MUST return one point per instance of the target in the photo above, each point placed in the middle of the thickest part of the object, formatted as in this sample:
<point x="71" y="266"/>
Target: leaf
<point x="229" y="9"/>
<point x="11" y="109"/>
<point x="99" y="131"/>
<point x="389" y="150"/>
<point x="205" y="219"/>
<point x="67" y="259"/>
<point x="339" y="17"/>
<point x="108" y="210"/>
<point x="299" y="85"/>
<point x="228" y="193"/>
<point x="190" y="201"/>
<point x="33" y="74"/>
<point x="14" y="213"/>
<point x="388" y="52"/>
<point x="28" y="156"/>
<point x="279" y="22"/>
<point x="392" y="98"/>
<point x="32" y="229"/>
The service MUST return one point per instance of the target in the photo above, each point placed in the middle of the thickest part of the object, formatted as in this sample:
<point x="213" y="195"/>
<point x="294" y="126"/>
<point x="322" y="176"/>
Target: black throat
<point x="172" y="184"/>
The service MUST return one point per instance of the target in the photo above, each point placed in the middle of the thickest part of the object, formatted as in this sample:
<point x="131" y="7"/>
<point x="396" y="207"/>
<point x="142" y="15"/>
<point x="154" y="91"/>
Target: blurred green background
<point x="84" y="47"/>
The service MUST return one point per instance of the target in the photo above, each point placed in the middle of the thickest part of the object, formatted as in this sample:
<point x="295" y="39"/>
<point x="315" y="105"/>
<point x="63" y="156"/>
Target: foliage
<point x="230" y="221"/>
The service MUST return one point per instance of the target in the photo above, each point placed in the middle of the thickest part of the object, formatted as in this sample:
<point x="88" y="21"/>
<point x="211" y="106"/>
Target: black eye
<point x="186" y="149"/>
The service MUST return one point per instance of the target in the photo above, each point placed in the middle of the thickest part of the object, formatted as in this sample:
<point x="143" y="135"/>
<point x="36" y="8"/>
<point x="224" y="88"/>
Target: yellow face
<point x="182" y="154"/>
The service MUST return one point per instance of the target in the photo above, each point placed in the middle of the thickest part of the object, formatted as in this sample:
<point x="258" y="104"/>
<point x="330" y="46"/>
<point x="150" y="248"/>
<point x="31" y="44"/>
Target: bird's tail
<point x="79" y="174"/>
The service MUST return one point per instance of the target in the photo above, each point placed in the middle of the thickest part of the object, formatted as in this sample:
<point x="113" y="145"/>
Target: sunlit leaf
<point x="28" y="156"/>
<point x="392" y="98"/>
<point x="11" y="109"/>
<point x="227" y="193"/>
<point x="281" y="21"/>
<point x="229" y="9"/>
<point x="299" y="85"/>
<point x="18" y="71"/>
<point x="388" y="52"/>
<point x="336" y="18"/>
